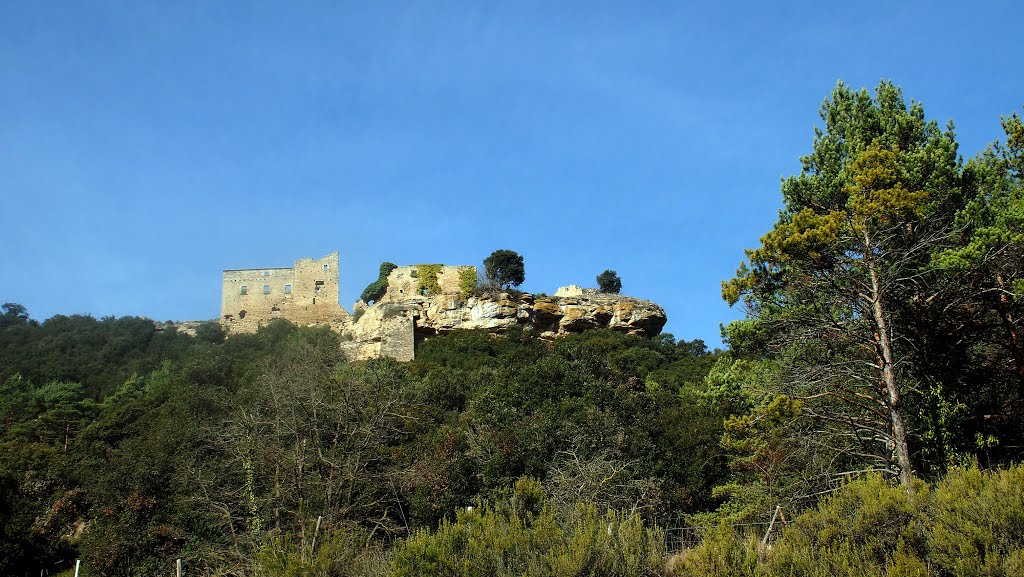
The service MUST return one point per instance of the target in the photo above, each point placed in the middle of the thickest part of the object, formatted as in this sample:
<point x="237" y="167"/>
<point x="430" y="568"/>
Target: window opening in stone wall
<point x="287" y="289"/>
<point x="266" y="273"/>
<point x="243" y="290"/>
<point x="327" y="267"/>
<point x="266" y="289"/>
<point x="241" y="314"/>
<point x="317" y="286"/>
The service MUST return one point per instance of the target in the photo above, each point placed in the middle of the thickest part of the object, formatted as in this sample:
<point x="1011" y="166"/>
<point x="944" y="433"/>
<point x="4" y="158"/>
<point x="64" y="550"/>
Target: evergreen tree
<point x="826" y="288"/>
<point x="609" y="282"/>
<point x="504" y="268"/>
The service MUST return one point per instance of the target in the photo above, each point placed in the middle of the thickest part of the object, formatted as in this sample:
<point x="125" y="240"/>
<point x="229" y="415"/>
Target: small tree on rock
<point x="375" y="290"/>
<point x="504" y="268"/>
<point x="609" y="282"/>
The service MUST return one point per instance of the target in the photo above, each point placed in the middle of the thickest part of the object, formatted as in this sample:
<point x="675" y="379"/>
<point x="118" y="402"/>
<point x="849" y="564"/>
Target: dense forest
<point x="866" y="417"/>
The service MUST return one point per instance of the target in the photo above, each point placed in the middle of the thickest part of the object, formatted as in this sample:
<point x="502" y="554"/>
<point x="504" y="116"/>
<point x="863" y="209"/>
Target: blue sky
<point x="145" y="146"/>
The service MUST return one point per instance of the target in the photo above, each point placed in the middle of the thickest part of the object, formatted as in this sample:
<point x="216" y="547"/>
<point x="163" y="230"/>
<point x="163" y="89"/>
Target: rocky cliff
<point x="391" y="328"/>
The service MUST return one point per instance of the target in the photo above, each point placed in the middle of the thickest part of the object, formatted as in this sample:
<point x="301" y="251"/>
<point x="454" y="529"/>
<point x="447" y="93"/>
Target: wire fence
<point x="678" y="538"/>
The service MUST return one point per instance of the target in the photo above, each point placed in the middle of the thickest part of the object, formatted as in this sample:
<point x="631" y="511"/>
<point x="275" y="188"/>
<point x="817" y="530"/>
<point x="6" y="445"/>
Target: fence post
<point x="778" y="509"/>
<point x="177" y="568"/>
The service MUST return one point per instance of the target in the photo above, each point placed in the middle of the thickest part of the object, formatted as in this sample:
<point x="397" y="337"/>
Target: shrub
<point x="856" y="531"/>
<point x="375" y="290"/>
<point x="722" y="552"/>
<point x="338" y="553"/>
<point x="520" y="534"/>
<point x="467" y="281"/>
<point x="976" y="526"/>
<point x="427" y="275"/>
<point x="970" y="524"/>
<point x="211" y="332"/>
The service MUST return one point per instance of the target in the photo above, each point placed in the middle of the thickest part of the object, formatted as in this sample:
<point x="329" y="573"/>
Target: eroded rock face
<point x="380" y="332"/>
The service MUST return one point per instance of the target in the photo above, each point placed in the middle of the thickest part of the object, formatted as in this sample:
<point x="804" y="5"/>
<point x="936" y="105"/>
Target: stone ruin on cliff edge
<point x="420" y="301"/>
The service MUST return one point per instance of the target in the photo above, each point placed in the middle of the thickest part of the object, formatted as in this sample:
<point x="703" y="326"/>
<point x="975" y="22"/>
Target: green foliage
<point x="14" y="314"/>
<point x="609" y="282"/>
<point x="375" y="290"/>
<point x="976" y="525"/>
<point x="427" y="275"/>
<point x="338" y="552"/>
<point x="768" y="462"/>
<point x="385" y="269"/>
<point x="467" y="281"/>
<point x="722" y="553"/>
<point x="504" y="268"/>
<point x="970" y="524"/>
<point x="98" y="354"/>
<point x="128" y="446"/>
<point x="519" y="534"/>
<point x="845" y="268"/>
<point x="211" y="332"/>
<point x="857" y="530"/>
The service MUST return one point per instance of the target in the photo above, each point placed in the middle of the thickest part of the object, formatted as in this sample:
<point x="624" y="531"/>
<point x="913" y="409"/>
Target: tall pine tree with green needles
<point x="825" y="291"/>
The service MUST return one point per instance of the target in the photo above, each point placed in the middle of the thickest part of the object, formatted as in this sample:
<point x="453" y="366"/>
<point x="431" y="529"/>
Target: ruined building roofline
<point x="257" y="268"/>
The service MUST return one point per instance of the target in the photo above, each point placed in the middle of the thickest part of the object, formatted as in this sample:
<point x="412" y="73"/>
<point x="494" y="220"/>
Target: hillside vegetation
<point x="866" y="418"/>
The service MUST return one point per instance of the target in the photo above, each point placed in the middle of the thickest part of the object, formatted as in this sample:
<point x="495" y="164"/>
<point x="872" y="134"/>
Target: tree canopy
<point x="504" y="268"/>
<point x="609" y="282"/>
<point x="886" y="297"/>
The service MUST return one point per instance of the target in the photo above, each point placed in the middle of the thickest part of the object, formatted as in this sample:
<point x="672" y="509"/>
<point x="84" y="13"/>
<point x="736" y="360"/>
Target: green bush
<point x="971" y="524"/>
<point x="375" y="290"/>
<point x="467" y="281"/>
<point x="520" y="534"/>
<point x="336" y="553"/>
<point x="720" y="553"/>
<point x="976" y="525"/>
<point x="856" y="531"/>
<point x="427" y="275"/>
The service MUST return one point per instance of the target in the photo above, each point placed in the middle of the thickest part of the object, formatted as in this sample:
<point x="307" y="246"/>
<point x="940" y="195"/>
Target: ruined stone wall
<point x="404" y="282"/>
<point x="306" y="294"/>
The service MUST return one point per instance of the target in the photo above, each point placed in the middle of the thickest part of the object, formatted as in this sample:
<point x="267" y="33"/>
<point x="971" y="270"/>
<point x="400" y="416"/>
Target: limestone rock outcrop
<point x="417" y="301"/>
<point x="391" y="328"/>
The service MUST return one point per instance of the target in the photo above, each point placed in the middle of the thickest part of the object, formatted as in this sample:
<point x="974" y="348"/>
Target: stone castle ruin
<point x="306" y="294"/>
<point x="420" y="301"/>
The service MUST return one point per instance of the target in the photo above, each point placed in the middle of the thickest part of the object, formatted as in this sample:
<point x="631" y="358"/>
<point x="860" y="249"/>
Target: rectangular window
<point x="266" y="273"/>
<point x="243" y="290"/>
<point x="287" y="289"/>
<point x="327" y="267"/>
<point x="266" y="289"/>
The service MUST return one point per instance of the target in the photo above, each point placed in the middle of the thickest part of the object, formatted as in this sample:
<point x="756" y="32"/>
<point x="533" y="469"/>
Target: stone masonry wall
<point x="404" y="282"/>
<point x="306" y="294"/>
